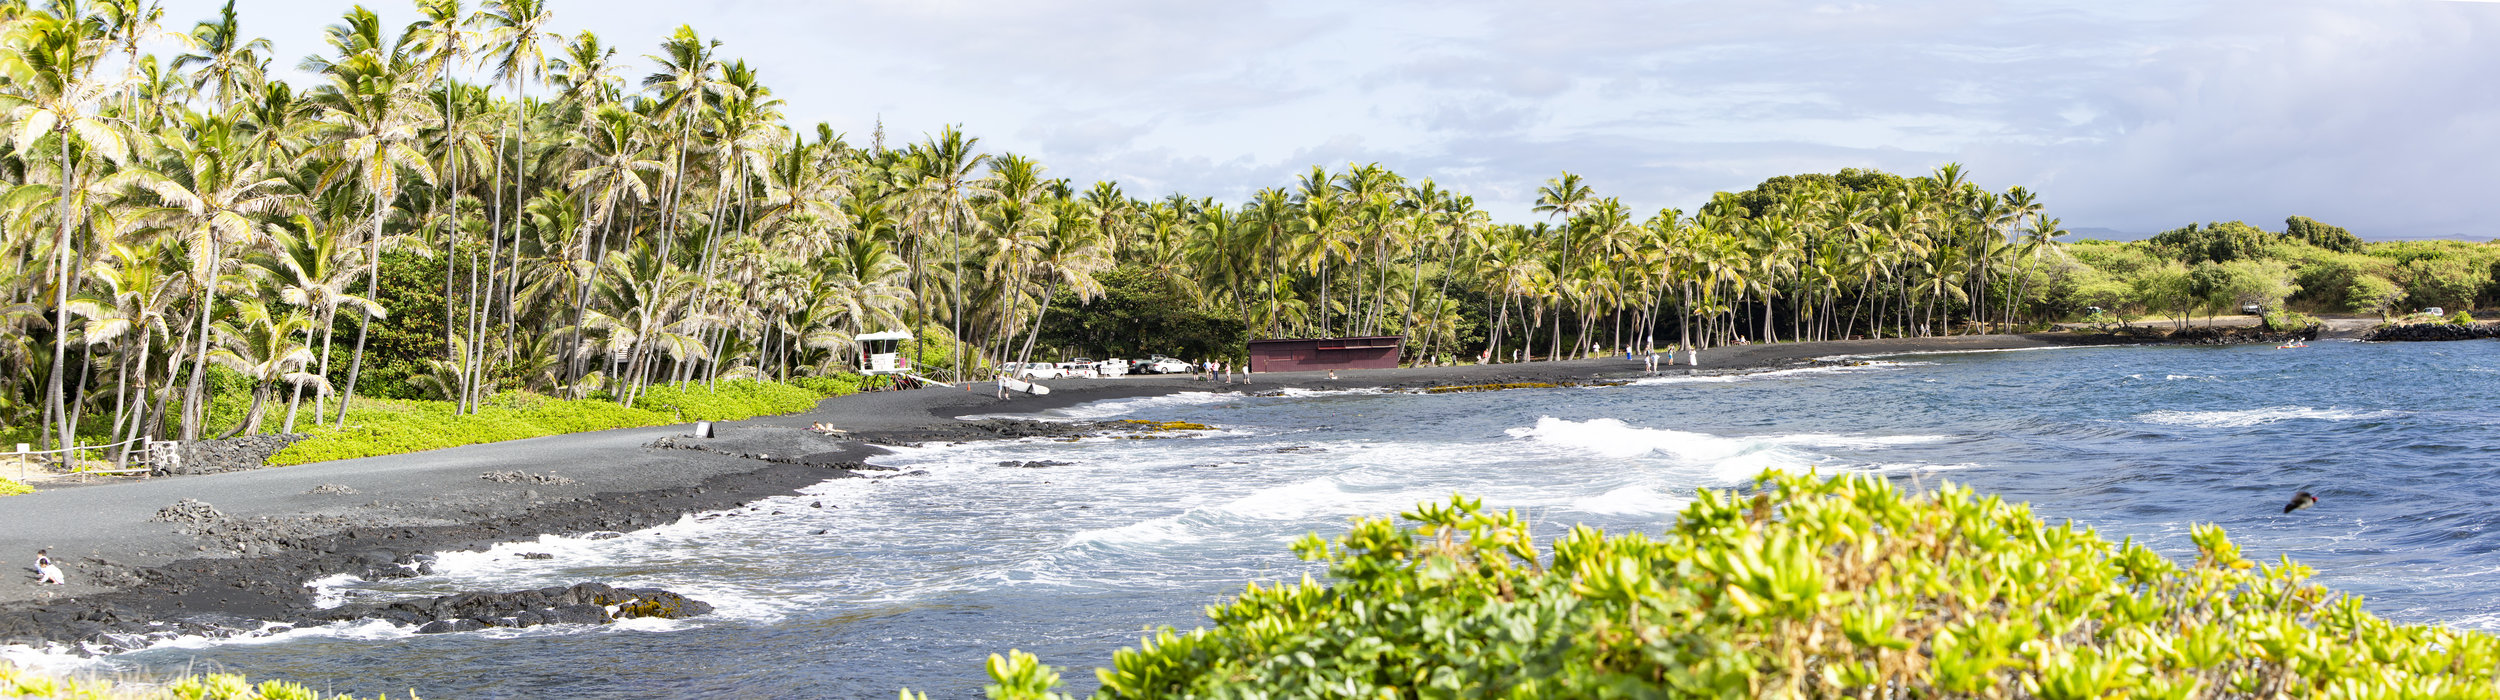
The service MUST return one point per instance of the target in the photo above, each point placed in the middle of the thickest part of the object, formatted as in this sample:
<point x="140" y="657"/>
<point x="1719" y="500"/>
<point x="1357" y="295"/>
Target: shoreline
<point x="130" y="569"/>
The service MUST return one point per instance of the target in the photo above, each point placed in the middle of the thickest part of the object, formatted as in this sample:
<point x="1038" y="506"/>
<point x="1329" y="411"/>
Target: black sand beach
<point x="128" y="567"/>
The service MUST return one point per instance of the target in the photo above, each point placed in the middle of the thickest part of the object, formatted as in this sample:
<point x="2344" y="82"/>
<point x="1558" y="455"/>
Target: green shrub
<point x="733" y="399"/>
<point x="1806" y="588"/>
<point x="21" y="683"/>
<point x="2285" y="321"/>
<point x="2461" y="318"/>
<point x="843" y="384"/>
<point x="10" y="487"/>
<point x="393" y="426"/>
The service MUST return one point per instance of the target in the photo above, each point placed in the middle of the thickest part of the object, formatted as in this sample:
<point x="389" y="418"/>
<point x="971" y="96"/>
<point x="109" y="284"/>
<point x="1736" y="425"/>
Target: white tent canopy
<point x="883" y="335"/>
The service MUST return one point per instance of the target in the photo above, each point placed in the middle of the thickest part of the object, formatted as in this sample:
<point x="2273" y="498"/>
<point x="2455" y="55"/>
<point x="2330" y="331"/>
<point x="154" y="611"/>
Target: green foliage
<point x="844" y="384"/>
<point x="2446" y="282"/>
<point x="2265" y="283"/>
<point x="2167" y="289"/>
<point x="1759" y="199"/>
<point x="2288" y="321"/>
<point x="2215" y="242"/>
<point x="229" y="398"/>
<point x="1808" y="588"/>
<point x="22" y="683"/>
<point x="2461" y="318"/>
<point x="412" y="289"/>
<point x="1139" y="314"/>
<point x="394" y="426"/>
<point x="930" y="351"/>
<point x="732" y="399"/>
<point x="10" y="487"/>
<point x="2308" y="230"/>
<point x="2374" y="294"/>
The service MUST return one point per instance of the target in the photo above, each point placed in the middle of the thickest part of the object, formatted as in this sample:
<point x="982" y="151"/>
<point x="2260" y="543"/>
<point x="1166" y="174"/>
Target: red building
<point x="1314" y="354"/>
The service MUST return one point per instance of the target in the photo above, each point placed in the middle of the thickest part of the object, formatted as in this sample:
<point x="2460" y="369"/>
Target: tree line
<point x="478" y="203"/>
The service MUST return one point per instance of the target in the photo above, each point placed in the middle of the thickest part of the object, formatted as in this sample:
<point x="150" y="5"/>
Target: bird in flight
<point x="2299" y="501"/>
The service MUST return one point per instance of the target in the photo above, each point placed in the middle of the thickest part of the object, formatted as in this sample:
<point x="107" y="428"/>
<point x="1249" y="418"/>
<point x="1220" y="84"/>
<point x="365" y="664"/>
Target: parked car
<point x="1033" y="370"/>
<point x="2252" y="309"/>
<point x="1165" y="365"/>
<point x="1113" y="367"/>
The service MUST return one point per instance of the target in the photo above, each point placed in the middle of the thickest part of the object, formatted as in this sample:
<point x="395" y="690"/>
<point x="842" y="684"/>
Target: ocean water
<point x="862" y="586"/>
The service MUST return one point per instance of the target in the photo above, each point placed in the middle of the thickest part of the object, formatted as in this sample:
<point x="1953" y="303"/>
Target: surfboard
<point x="1014" y="384"/>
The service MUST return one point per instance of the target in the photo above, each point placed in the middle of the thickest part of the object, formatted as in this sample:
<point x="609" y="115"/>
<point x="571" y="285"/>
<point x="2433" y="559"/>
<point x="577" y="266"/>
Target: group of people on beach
<point x="1653" y="360"/>
<point x="1217" y="369"/>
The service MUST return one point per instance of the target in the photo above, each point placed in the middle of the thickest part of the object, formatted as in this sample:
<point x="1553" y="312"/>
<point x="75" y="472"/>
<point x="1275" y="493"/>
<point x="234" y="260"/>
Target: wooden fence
<point x="149" y="454"/>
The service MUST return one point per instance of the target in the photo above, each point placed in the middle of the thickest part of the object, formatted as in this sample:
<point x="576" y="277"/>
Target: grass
<point x="730" y="400"/>
<point x="377" y="427"/>
<point x="1793" y="587"/>
<point x="10" y="487"/>
<point x="22" y="683"/>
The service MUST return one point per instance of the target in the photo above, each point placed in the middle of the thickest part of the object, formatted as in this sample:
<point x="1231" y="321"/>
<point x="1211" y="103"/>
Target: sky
<point x="2382" y="116"/>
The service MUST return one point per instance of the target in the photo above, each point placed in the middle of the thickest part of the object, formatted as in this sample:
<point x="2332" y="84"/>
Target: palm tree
<point x="1564" y="196"/>
<point x="227" y="64"/>
<point x="1069" y="256"/>
<point x="2040" y="240"/>
<point x="265" y="351"/>
<point x="309" y="267"/>
<point x="371" y="110"/>
<point x="56" y="100"/>
<point x="947" y="183"/>
<point x="136" y="291"/>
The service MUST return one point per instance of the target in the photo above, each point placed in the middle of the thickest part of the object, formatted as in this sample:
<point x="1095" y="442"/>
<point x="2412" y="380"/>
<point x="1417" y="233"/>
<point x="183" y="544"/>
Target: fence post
<point x="22" y="458"/>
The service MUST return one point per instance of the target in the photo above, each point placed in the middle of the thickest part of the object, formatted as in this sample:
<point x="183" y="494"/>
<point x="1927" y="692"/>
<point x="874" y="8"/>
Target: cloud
<point x="2126" y="114"/>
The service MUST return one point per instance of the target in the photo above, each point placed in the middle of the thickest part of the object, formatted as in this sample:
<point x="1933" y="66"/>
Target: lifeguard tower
<point x="880" y="354"/>
<point x="877" y="353"/>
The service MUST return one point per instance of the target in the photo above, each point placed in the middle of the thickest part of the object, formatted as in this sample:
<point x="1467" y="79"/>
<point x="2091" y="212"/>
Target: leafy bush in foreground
<point x="10" y="487"/>
<point x="21" y="683"/>
<point x="1809" y="588"/>
<point x="733" y="399"/>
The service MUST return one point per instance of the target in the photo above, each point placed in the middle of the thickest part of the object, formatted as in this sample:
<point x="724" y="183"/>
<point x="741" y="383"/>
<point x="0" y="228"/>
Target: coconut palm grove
<point x="185" y="230"/>
<point x="481" y="226"/>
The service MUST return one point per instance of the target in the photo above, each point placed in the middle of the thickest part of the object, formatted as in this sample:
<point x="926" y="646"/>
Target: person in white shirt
<point x="46" y="571"/>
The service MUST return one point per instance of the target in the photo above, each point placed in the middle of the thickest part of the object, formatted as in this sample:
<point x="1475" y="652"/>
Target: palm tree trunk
<point x="329" y="317"/>
<point x="60" y="306"/>
<point x="297" y="399"/>
<point x="373" y="290"/>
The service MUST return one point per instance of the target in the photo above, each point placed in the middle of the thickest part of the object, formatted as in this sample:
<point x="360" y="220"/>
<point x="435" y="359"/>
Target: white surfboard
<point x="1014" y="384"/>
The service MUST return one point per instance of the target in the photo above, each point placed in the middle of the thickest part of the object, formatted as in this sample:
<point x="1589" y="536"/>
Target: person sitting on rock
<point x="46" y="571"/>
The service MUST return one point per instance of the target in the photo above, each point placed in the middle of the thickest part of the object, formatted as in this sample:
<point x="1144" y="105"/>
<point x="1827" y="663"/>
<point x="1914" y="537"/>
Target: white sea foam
<point x="1856" y="441"/>
<point x="1777" y="373"/>
<point x="1115" y="408"/>
<point x="1636" y="499"/>
<point x="2256" y="416"/>
<point x="1725" y="459"/>
<point x="1909" y="353"/>
<point x="1157" y="530"/>
<point x="331" y="591"/>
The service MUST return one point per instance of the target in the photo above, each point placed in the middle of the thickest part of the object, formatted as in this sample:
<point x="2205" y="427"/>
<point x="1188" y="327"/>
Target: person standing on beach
<point x="46" y="571"/>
